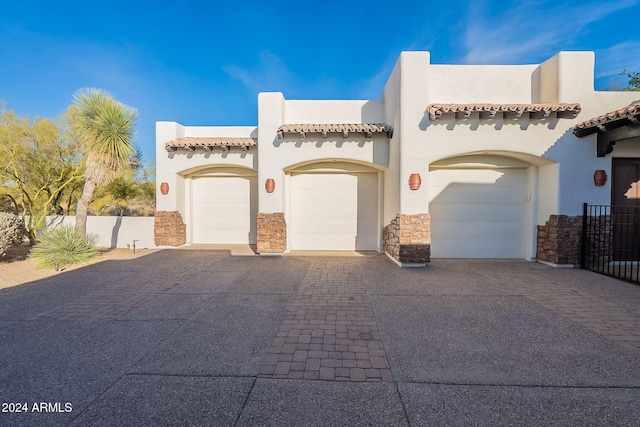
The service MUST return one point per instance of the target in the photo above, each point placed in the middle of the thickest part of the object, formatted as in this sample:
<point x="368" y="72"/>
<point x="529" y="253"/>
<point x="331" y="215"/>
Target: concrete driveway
<point x="200" y="337"/>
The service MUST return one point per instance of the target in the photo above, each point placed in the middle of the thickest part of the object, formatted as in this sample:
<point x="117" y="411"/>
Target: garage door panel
<point x="334" y="211"/>
<point x="310" y="211"/>
<point x="215" y="210"/>
<point x="310" y="196"/>
<point x="477" y="229"/>
<point x="481" y="194"/>
<point x="224" y="210"/>
<point x="324" y="242"/>
<point x="337" y="226"/>
<point x="477" y="213"/>
<point x="222" y="236"/>
<point x="215" y="197"/>
<point x="223" y="222"/>
<point x="501" y="248"/>
<point x="473" y="211"/>
<point x="495" y="177"/>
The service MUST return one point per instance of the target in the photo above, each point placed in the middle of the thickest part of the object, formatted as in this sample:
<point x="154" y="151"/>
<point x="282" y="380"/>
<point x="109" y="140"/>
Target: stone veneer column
<point x="407" y="239"/>
<point x="558" y="240"/>
<point x="169" y="229"/>
<point x="272" y="233"/>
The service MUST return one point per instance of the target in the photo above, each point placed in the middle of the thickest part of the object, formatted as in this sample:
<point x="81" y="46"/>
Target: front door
<point x="625" y="201"/>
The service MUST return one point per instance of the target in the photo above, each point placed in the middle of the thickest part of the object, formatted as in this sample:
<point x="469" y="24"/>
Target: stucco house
<point x="452" y="161"/>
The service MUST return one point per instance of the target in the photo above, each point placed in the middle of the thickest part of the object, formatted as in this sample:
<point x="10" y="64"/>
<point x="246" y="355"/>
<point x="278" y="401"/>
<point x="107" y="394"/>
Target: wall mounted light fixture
<point x="600" y="178"/>
<point x="270" y="185"/>
<point x="164" y="188"/>
<point x="415" y="181"/>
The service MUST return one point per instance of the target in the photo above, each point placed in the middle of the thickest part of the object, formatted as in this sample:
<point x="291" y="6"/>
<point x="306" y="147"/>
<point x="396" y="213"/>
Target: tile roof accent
<point x="623" y="115"/>
<point x="488" y="111"/>
<point x="191" y="143"/>
<point x="344" y="128"/>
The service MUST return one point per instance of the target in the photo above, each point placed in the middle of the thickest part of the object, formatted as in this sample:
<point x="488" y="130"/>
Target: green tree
<point x="117" y="194"/>
<point x="634" y="80"/>
<point x="39" y="164"/>
<point x="107" y="127"/>
<point x="131" y="193"/>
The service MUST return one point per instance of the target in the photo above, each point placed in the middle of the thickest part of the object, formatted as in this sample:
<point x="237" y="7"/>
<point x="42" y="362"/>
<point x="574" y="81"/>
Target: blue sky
<point x="204" y="62"/>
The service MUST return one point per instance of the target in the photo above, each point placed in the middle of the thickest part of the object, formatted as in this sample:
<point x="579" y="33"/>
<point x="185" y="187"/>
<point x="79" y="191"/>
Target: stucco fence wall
<point x="114" y="231"/>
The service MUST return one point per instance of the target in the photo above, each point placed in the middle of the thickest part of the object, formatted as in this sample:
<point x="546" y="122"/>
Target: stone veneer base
<point x="272" y="233"/>
<point x="407" y="239"/>
<point x="169" y="229"/>
<point x="558" y="240"/>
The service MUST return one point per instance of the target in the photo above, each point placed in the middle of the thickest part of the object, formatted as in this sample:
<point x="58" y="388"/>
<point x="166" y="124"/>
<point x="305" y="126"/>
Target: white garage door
<point x="477" y="213"/>
<point x="334" y="211"/>
<point x="224" y="210"/>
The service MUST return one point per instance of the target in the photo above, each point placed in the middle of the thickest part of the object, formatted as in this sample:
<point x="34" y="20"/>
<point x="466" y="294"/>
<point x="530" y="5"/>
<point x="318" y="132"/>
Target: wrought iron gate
<point x="611" y="241"/>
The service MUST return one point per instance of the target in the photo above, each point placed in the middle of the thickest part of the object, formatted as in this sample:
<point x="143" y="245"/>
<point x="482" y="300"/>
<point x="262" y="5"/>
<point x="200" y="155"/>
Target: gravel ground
<point x="16" y="268"/>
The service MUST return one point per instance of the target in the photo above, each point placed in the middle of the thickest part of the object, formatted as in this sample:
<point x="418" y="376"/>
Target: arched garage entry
<point x="334" y="206"/>
<point x="223" y="205"/>
<point x="483" y="205"/>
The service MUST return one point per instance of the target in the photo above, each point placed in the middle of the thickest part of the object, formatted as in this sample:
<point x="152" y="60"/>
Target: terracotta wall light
<point x="164" y="188"/>
<point x="270" y="185"/>
<point x="415" y="181"/>
<point x="600" y="178"/>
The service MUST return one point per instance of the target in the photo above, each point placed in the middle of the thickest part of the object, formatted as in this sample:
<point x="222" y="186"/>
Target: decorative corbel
<point x="463" y="115"/>
<point x="487" y="115"/>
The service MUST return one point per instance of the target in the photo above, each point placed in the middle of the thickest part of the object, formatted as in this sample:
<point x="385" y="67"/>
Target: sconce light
<point x="270" y="185"/>
<point x="415" y="181"/>
<point x="164" y="188"/>
<point x="600" y="178"/>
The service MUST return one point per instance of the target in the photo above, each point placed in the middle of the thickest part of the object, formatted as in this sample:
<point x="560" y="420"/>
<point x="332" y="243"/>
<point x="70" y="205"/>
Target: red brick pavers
<point x="329" y="331"/>
<point x="596" y="314"/>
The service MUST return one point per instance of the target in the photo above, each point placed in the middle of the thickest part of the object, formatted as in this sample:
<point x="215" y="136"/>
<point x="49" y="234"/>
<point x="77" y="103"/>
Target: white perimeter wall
<point x="114" y="231"/>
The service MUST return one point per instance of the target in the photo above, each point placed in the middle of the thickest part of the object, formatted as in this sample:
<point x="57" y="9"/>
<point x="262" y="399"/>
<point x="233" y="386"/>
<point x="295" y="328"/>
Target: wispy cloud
<point x="613" y="60"/>
<point x="530" y="27"/>
<point x="270" y="74"/>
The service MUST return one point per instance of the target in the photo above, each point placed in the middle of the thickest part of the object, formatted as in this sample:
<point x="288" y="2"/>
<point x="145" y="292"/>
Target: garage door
<point x="224" y="210"/>
<point x="477" y="213"/>
<point x="334" y="211"/>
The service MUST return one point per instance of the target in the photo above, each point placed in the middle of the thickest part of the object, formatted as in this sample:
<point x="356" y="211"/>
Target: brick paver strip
<point x="329" y="331"/>
<point x="596" y="314"/>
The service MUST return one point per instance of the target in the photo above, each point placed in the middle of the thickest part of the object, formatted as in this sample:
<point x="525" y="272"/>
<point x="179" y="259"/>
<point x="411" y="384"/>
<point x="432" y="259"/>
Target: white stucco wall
<point x="392" y="116"/>
<point x="114" y="231"/>
<point x="559" y="166"/>
<point x="483" y="84"/>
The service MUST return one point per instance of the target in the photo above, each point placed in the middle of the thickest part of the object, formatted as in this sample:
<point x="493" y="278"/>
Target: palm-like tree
<point x="106" y="126"/>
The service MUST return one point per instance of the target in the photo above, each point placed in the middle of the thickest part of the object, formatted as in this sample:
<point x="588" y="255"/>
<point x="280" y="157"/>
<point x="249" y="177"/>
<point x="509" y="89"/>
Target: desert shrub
<point x="11" y="231"/>
<point x="62" y="246"/>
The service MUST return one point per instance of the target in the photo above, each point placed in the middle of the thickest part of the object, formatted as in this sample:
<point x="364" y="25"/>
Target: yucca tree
<point x="106" y="126"/>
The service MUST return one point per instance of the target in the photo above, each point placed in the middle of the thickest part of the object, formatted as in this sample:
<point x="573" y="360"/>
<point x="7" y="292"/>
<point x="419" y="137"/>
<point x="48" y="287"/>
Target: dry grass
<point x="16" y="268"/>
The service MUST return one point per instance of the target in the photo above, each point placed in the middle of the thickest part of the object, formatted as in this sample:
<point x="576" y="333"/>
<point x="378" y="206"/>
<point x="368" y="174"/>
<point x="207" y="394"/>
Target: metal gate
<point x="611" y="241"/>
